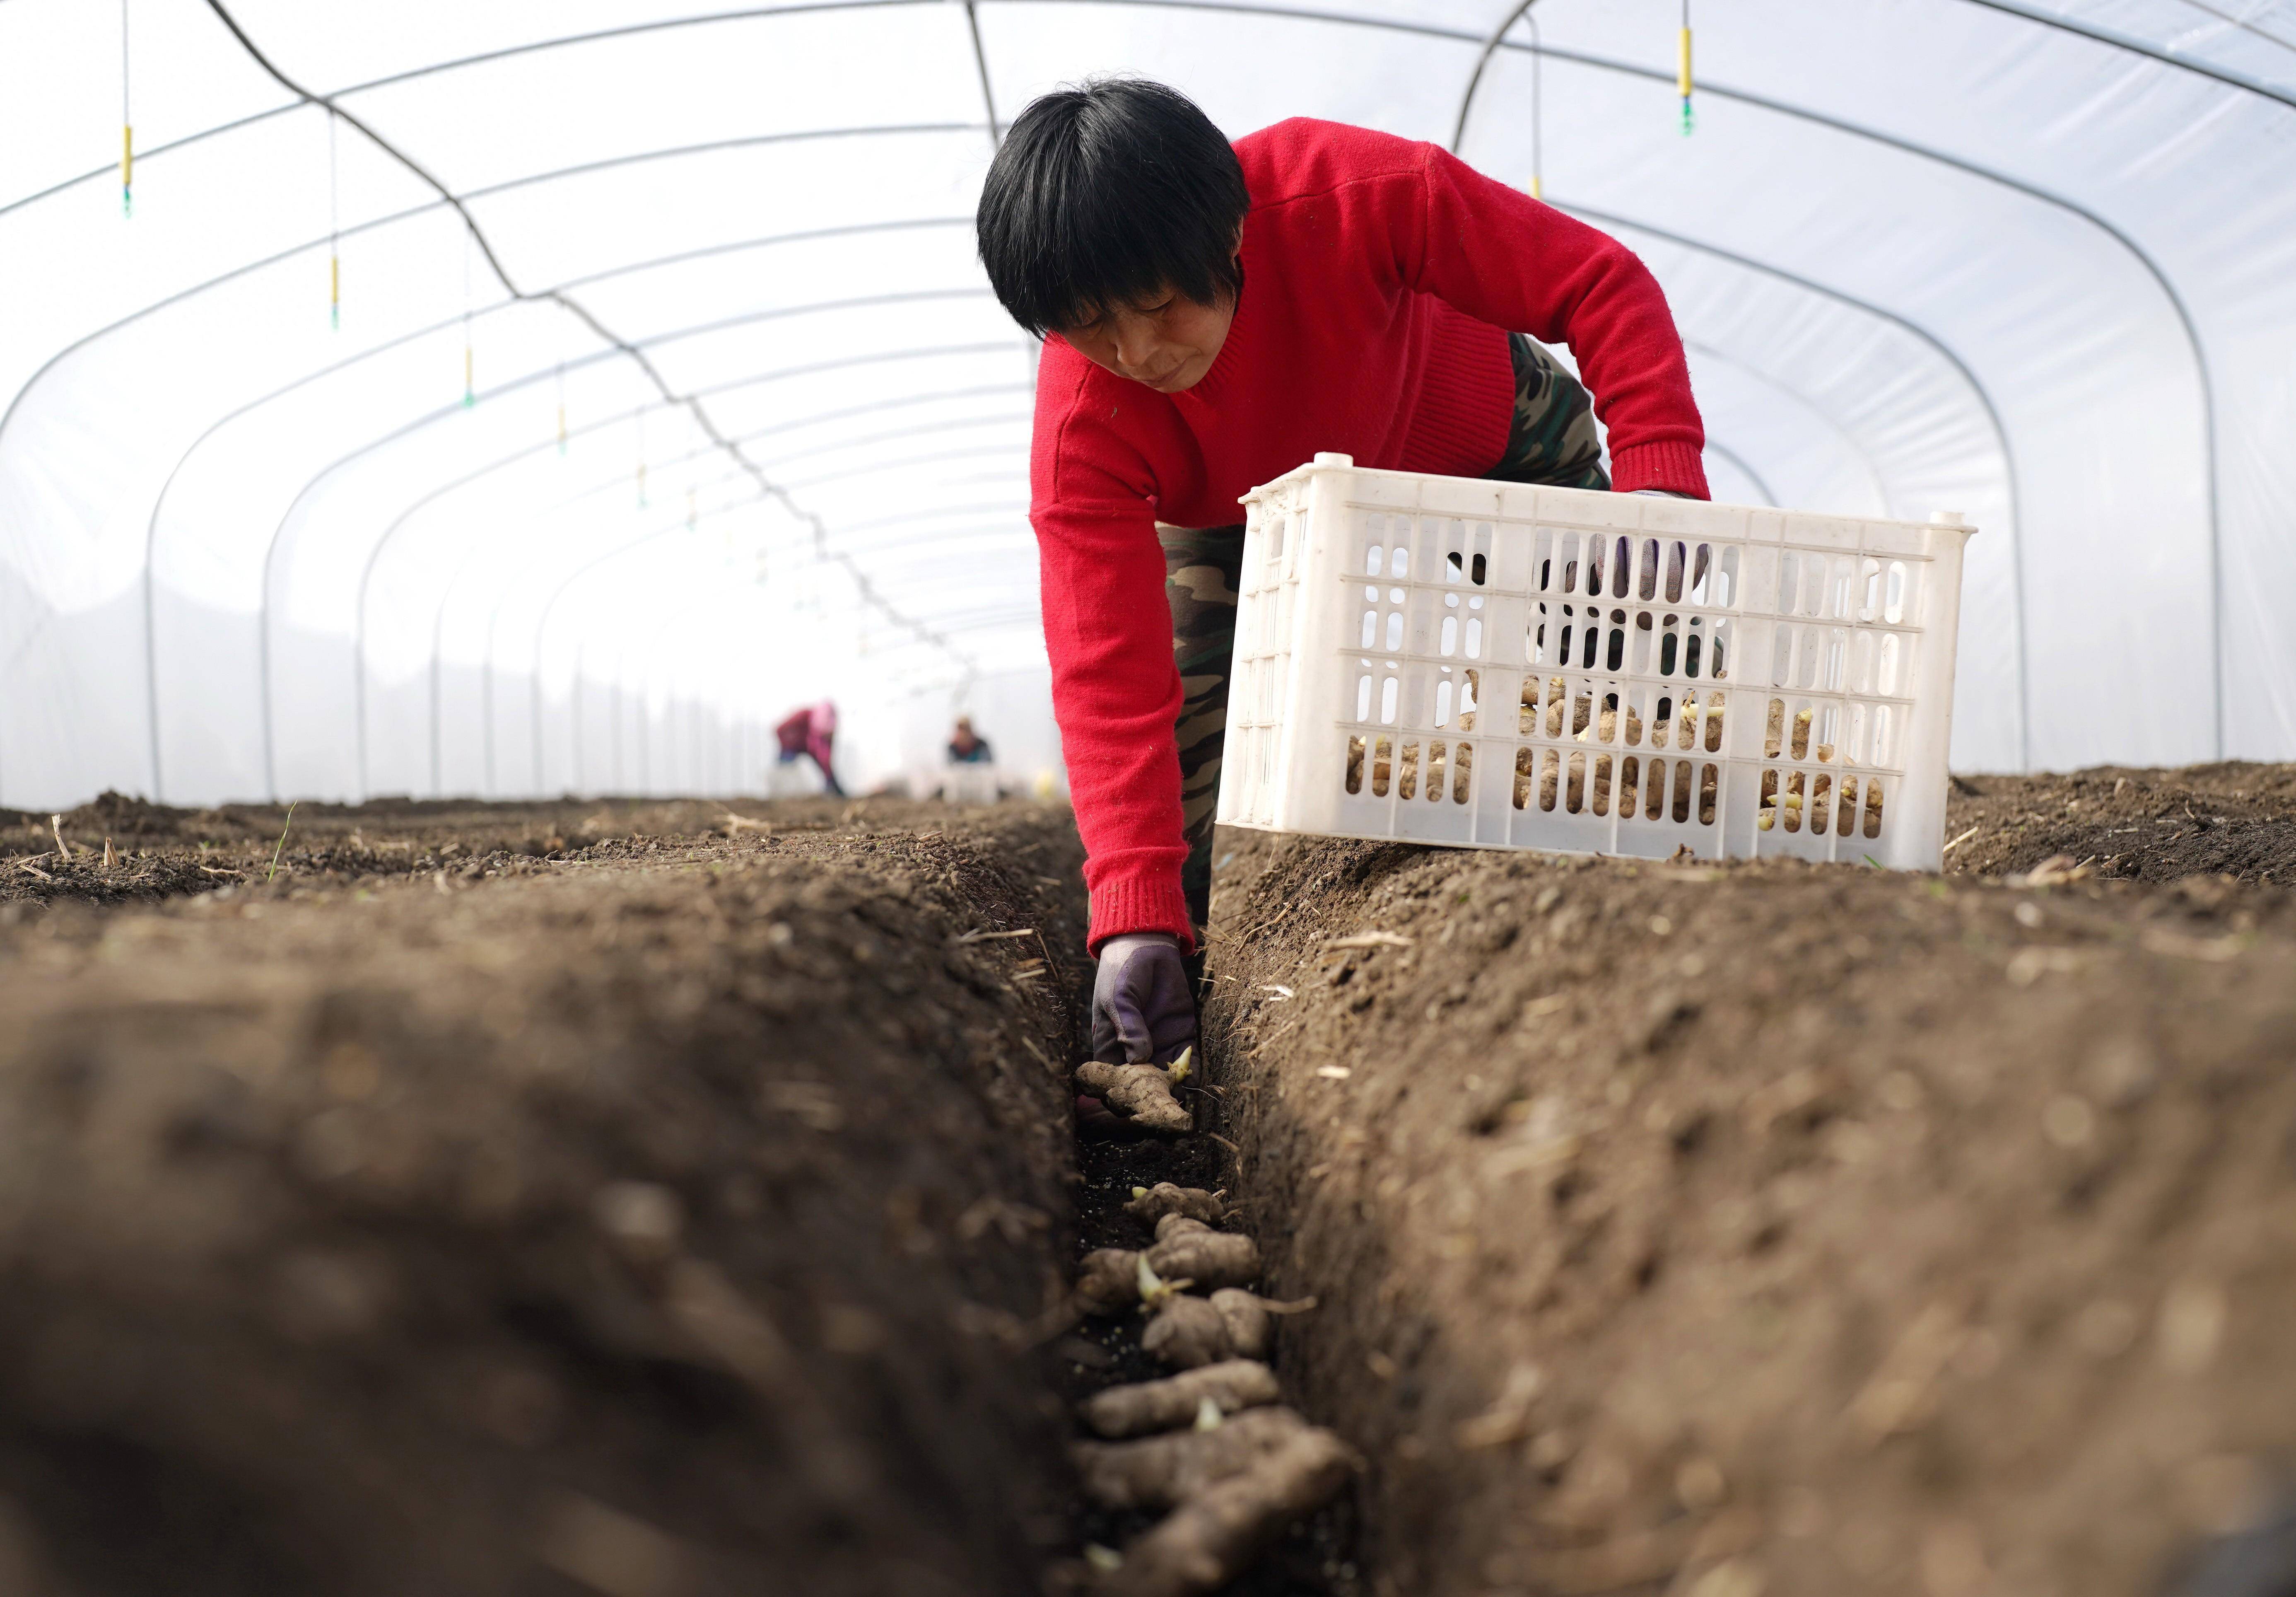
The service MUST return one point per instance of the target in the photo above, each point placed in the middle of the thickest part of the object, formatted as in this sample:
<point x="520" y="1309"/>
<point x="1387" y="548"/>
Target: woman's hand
<point x="1142" y="1011"/>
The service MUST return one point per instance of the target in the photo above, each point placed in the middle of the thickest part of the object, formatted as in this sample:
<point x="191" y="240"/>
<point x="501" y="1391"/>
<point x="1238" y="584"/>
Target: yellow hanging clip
<point x="126" y="169"/>
<point x="470" y="389"/>
<point x="1681" y="78"/>
<point x="1536" y="192"/>
<point x="335" y="301"/>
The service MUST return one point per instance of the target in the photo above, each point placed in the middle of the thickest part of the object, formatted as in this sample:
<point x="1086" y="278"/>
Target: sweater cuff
<point x="1153" y="903"/>
<point x="1677" y="467"/>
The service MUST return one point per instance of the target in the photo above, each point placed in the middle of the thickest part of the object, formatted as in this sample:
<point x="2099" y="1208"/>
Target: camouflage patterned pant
<point x="1552" y="439"/>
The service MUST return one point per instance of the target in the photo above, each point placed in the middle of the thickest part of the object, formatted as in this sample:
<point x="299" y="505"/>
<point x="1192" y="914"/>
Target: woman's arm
<point x="1116" y="692"/>
<point x="1504" y="258"/>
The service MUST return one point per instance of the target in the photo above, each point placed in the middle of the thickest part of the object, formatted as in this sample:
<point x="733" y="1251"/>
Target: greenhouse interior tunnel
<point x="626" y="968"/>
<point x="523" y="400"/>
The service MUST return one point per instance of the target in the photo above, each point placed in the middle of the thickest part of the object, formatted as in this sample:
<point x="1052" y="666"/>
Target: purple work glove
<point x="1141" y="1010"/>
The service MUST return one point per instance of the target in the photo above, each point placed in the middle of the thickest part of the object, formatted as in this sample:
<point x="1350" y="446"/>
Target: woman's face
<point x="1167" y="341"/>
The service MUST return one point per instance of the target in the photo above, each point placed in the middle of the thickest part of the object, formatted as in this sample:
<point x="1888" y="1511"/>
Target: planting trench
<point x="646" y="1200"/>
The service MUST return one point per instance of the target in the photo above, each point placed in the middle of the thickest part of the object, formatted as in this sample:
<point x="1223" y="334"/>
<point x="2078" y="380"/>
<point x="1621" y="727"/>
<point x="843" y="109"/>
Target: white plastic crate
<point x="1450" y="660"/>
<point x="969" y="783"/>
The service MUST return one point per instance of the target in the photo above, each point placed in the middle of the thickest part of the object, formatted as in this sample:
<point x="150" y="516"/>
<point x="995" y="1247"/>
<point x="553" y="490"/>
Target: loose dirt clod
<point x="1143" y="1092"/>
<point x="1154" y="1406"/>
<point x="1214" y="1536"/>
<point x="1153" y="1204"/>
<point x="1162" y="1471"/>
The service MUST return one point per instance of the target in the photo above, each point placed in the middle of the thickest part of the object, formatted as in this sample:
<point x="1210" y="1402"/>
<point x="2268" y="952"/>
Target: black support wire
<point x="863" y="588"/>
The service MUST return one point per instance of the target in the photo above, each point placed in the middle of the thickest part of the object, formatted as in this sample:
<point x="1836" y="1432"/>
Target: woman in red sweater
<point x="1215" y="315"/>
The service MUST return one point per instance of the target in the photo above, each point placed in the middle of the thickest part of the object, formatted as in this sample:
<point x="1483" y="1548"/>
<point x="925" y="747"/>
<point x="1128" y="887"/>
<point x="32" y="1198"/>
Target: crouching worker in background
<point x="811" y="733"/>
<point x="1215" y="315"/>
<point x="967" y="747"/>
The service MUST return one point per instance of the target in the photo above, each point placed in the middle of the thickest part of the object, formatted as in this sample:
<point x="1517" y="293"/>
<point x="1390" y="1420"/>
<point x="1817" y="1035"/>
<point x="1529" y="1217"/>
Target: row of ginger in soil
<point x="1211" y="1448"/>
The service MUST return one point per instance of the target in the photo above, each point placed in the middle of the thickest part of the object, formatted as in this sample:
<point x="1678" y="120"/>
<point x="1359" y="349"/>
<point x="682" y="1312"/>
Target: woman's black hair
<point x="1104" y="195"/>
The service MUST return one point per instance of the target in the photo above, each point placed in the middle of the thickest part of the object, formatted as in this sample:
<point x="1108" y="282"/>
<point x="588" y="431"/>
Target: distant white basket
<point x="1455" y="660"/>
<point x="964" y="784"/>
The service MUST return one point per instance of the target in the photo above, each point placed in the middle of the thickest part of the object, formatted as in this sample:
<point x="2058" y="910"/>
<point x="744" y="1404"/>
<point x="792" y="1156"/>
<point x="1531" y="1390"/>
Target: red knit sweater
<point x="1379" y="277"/>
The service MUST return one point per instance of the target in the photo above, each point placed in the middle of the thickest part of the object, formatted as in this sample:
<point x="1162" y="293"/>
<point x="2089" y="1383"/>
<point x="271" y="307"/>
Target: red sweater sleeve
<point x="1504" y="258"/>
<point x="1116" y="691"/>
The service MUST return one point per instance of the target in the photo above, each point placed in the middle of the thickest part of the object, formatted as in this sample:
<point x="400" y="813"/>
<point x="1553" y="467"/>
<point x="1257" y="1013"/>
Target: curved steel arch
<point x="635" y="354"/>
<point x="1495" y="41"/>
<point x="939" y="535"/>
<point x="494" y="616"/>
<point x="1803" y="402"/>
<point x="542" y="623"/>
<point x="477" y="235"/>
<point x="446" y="594"/>
<point x="965" y="622"/>
<point x="152" y="525"/>
<point x="911" y="517"/>
<point x="1905" y="323"/>
<point x="981" y="453"/>
<point x="1461" y="36"/>
<point x="2152" y="268"/>
<point x="809" y="7"/>
<point x="438" y="619"/>
<point x="1289" y="13"/>
<point x="247" y="268"/>
<point x="2136" y="46"/>
<point x="2242" y="23"/>
<point x="456" y="64"/>
<point x="432" y="418"/>
<point x="1770" y="495"/>
<point x="694" y="407"/>
<point x="1482" y="61"/>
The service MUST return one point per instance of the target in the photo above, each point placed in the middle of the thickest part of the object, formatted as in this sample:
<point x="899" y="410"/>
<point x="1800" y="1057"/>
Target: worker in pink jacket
<point x="809" y="731"/>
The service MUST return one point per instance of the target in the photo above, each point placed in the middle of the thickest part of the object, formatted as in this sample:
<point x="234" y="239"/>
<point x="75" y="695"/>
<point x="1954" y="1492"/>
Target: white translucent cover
<point x="2033" y="260"/>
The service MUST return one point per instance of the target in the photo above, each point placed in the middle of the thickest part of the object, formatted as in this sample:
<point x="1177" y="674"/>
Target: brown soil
<point x="158" y="852"/>
<point x="660" y="1199"/>
<point x="2154" y="825"/>
<point x="1781" y="1228"/>
<point x="496" y="1202"/>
